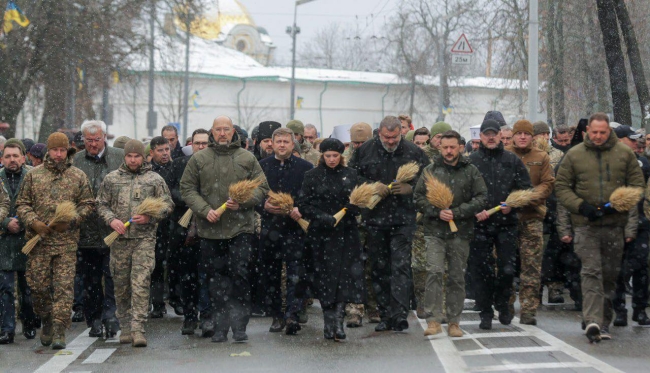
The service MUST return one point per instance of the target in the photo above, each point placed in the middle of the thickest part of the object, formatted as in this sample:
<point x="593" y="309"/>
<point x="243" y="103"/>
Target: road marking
<point x="446" y="351"/>
<point x="453" y="360"/>
<point x="517" y="367"/>
<point x="99" y="356"/>
<point x="58" y="363"/>
<point x="509" y="350"/>
<point x="116" y="339"/>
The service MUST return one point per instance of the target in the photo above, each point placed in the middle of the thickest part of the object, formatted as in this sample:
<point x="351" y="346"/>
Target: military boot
<point x="641" y="317"/>
<point x="46" y="331"/>
<point x="138" y="339"/>
<point x="555" y="293"/>
<point x="125" y="337"/>
<point x="354" y="321"/>
<point x="454" y="330"/>
<point x="621" y="318"/>
<point x="111" y="326"/>
<point x="58" y="336"/>
<point x="528" y="319"/>
<point x="433" y="328"/>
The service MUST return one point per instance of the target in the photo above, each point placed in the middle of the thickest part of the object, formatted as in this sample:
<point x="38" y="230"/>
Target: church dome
<point x="218" y="19"/>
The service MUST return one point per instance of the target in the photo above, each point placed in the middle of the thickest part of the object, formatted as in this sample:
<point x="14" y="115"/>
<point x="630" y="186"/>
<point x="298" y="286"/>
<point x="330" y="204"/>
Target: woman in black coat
<point x="336" y="251"/>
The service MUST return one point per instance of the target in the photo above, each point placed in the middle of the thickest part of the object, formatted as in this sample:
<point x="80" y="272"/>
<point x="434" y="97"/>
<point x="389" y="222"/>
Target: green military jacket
<point x="590" y="173"/>
<point x="204" y="187"/>
<point x="43" y="188"/>
<point x="11" y="258"/>
<point x="123" y="190"/>
<point x="470" y="197"/>
<point x="309" y="154"/>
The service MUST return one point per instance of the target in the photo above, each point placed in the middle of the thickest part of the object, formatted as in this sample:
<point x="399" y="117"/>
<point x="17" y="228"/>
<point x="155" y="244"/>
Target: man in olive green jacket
<point x="444" y="248"/>
<point x="587" y="176"/>
<point x="226" y="239"/>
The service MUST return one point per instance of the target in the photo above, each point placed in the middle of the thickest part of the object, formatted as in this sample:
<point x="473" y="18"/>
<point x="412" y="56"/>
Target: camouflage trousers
<point x="132" y="262"/>
<point x="531" y="251"/>
<point x="353" y="309"/>
<point x="50" y="276"/>
<point x="419" y="264"/>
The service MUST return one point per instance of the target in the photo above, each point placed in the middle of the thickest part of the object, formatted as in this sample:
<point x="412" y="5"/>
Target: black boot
<point x="158" y="311"/>
<point x="96" y="330"/>
<point x="383" y="326"/>
<point x="293" y="326"/>
<point x="339" y="313"/>
<point x="29" y="329"/>
<point x="220" y="336"/>
<point x="486" y="322"/>
<point x="78" y="315"/>
<point x="6" y="338"/>
<point x="207" y="328"/>
<point x="621" y="318"/>
<point x="111" y="327"/>
<point x="641" y="317"/>
<point x="188" y="327"/>
<point x="277" y="325"/>
<point x="329" y="320"/>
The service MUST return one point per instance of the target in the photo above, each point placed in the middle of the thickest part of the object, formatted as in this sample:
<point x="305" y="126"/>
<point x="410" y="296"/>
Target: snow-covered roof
<point x="211" y="60"/>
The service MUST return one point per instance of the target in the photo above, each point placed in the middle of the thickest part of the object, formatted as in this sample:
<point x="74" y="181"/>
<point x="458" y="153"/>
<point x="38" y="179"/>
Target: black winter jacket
<point x="373" y="163"/>
<point x="503" y="173"/>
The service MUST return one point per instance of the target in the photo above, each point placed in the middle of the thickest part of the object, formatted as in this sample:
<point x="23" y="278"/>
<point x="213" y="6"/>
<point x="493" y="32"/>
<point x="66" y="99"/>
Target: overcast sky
<point x="275" y="15"/>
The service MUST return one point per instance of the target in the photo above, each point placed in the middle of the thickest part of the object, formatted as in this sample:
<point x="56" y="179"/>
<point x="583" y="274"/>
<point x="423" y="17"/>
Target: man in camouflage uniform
<point x="308" y="153"/>
<point x="531" y="241"/>
<point x="132" y="255"/>
<point x="542" y="135"/>
<point x="51" y="264"/>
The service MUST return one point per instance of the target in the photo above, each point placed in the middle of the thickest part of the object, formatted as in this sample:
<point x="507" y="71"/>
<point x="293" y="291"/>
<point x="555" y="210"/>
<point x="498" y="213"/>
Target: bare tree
<point x="252" y="110"/>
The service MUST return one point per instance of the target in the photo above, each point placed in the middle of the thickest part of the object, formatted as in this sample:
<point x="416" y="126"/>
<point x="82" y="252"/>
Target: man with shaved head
<point x="225" y="238"/>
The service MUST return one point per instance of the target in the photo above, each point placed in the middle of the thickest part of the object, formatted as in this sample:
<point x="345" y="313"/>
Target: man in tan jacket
<point x="531" y="241"/>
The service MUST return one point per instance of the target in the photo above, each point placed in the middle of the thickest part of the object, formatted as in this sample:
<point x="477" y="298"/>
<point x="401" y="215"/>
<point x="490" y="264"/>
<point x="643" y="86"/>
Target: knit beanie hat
<point x="409" y="135"/>
<point x="440" y="127"/>
<point x="57" y="140"/>
<point x="121" y="141"/>
<point x="134" y="146"/>
<point x="540" y="127"/>
<point x="523" y="125"/>
<point x="16" y="142"/>
<point x="497" y="116"/>
<point x="332" y="144"/>
<point x="296" y="126"/>
<point x="360" y="132"/>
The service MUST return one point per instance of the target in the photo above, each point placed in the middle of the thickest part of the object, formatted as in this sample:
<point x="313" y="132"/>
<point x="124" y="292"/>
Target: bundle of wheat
<point x="186" y="218"/>
<point x="65" y="213"/>
<point x="624" y="199"/>
<point x="361" y="196"/>
<point x="241" y="191"/>
<point x="153" y="207"/>
<point x="516" y="199"/>
<point x="405" y="173"/>
<point x="285" y="202"/>
<point x="439" y="195"/>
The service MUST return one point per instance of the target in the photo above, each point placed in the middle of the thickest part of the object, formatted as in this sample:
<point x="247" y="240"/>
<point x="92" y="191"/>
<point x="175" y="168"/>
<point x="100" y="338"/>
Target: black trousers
<point x="561" y="264"/>
<point x="635" y="265"/>
<point x="7" y="302"/>
<point x="167" y="258"/>
<point x="389" y="252"/>
<point x="99" y="294"/>
<point x="226" y="266"/>
<point x="493" y="286"/>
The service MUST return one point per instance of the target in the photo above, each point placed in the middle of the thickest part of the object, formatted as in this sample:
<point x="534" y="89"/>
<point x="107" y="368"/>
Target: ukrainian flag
<point x="14" y="14"/>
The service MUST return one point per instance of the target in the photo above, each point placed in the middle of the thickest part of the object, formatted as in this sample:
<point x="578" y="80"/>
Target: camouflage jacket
<point x="43" y="188"/>
<point x="309" y="154"/>
<point x="123" y="190"/>
<point x="556" y="156"/>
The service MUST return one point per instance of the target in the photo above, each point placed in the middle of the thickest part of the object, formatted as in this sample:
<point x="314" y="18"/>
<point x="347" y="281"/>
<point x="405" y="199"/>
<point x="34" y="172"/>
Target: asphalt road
<point x="556" y="345"/>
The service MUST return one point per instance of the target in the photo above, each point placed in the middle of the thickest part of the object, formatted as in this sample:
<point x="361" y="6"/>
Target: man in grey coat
<point x="96" y="161"/>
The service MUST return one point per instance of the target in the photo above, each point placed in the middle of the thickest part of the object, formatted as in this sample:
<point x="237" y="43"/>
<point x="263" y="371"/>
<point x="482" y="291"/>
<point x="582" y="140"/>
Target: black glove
<point x="352" y="210"/>
<point x="607" y="210"/>
<point x="590" y="212"/>
<point x="329" y="221"/>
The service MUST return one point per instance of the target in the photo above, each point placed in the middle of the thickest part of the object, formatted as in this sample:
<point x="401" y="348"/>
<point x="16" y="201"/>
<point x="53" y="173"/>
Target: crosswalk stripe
<point x="63" y="358"/>
<point x="531" y="366"/>
<point x="99" y="356"/>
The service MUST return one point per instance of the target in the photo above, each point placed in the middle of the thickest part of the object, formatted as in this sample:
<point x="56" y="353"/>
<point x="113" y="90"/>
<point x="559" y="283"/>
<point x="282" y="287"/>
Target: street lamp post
<point x="294" y="31"/>
<point x="533" y="60"/>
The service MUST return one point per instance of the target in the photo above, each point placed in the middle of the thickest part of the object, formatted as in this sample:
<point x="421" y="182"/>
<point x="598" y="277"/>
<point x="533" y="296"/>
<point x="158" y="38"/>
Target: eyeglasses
<point x="93" y="141"/>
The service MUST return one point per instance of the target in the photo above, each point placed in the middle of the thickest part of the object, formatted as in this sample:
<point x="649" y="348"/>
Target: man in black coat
<point x="170" y="133"/>
<point x="503" y="173"/>
<point x="188" y="249"/>
<point x="166" y="254"/>
<point x="391" y="224"/>
<point x="281" y="238"/>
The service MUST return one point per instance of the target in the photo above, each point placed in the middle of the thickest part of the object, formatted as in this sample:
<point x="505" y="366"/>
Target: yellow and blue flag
<point x="299" y="101"/>
<point x="13" y="14"/>
<point x="194" y="98"/>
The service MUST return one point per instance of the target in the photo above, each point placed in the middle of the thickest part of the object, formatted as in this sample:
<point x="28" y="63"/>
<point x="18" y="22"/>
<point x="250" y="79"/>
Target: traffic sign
<point x="461" y="59"/>
<point x="462" y="46"/>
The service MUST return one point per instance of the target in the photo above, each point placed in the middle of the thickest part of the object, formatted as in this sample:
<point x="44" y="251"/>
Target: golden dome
<point x="218" y="18"/>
